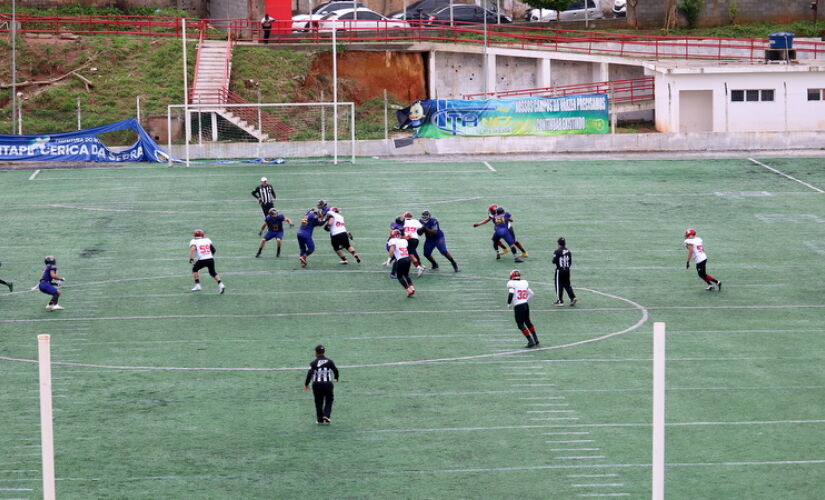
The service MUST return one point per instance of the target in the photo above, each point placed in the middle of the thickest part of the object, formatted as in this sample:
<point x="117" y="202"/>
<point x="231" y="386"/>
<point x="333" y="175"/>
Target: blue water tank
<point x="781" y="40"/>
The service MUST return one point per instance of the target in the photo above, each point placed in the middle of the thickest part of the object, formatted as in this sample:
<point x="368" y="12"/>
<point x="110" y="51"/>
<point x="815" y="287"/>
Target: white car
<point x="303" y="22"/>
<point x="358" y="19"/>
<point x="576" y="12"/>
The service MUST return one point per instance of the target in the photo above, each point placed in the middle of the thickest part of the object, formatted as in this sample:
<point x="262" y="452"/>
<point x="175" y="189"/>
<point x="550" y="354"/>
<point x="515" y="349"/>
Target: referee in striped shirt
<point x="265" y="195"/>
<point x="321" y="372"/>
<point x="563" y="259"/>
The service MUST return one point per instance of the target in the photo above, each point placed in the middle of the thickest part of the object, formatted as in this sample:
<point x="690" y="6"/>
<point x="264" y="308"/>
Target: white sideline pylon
<point x="46" y="432"/>
<point x="658" y="455"/>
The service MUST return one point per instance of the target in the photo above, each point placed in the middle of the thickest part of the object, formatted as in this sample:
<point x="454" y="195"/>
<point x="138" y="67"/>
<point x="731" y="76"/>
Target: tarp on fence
<point x="81" y="145"/>
<point x="436" y="118"/>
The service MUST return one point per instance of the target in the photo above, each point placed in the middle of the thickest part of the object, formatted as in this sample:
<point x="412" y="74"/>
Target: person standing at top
<point x="696" y="251"/>
<point x="265" y="194"/>
<point x="563" y="259"/>
<point x="266" y="27"/>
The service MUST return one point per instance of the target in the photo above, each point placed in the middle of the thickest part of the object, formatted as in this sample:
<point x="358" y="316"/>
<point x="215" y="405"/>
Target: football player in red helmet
<point x="397" y="248"/>
<point x="519" y="293"/>
<point x="201" y="254"/>
<point x="696" y="251"/>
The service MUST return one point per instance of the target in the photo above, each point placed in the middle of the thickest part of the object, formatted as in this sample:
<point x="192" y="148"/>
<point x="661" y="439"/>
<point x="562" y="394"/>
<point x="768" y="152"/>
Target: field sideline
<point x="161" y="392"/>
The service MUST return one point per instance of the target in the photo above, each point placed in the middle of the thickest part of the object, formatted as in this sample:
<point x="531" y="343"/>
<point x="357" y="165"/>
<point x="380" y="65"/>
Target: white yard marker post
<point x="658" y="458"/>
<point x="46" y="432"/>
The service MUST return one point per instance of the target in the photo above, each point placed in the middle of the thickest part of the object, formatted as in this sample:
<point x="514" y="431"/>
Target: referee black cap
<point x="562" y="242"/>
<point x="320" y="348"/>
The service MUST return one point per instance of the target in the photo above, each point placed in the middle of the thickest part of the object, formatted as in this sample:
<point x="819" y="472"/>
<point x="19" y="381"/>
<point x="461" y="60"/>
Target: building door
<point x="696" y="111"/>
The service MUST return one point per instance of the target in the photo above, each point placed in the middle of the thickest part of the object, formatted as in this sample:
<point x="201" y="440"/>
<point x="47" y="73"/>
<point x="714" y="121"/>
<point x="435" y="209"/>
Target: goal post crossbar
<point x="216" y="107"/>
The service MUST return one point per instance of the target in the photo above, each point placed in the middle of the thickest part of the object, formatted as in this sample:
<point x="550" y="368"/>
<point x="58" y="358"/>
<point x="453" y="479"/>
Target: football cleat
<point x="530" y="344"/>
<point x="221" y="288"/>
<point x="718" y="286"/>
<point x="303" y="261"/>
<point x="357" y="259"/>
<point x="49" y="307"/>
<point x="515" y="274"/>
<point x="10" y="285"/>
<point x="517" y="260"/>
<point x="57" y="307"/>
<point x="573" y="302"/>
<point x="198" y="233"/>
<point x="197" y="287"/>
<point x="558" y="303"/>
<point x="420" y="271"/>
<point x="498" y="255"/>
<point x="344" y="262"/>
<point x="505" y="250"/>
<point x="524" y="255"/>
<point x="410" y="291"/>
<point x="710" y="288"/>
<point x="690" y="232"/>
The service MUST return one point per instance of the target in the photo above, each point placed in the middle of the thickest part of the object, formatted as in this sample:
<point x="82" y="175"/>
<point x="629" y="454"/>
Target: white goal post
<point x="46" y="433"/>
<point x="658" y="454"/>
<point x="285" y="130"/>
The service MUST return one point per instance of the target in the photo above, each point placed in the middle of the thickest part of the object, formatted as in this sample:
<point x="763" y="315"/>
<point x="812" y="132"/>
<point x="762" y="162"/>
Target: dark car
<point x="467" y="13"/>
<point x="419" y="9"/>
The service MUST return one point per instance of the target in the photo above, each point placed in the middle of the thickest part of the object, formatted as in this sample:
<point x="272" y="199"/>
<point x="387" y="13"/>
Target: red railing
<point x="636" y="89"/>
<point x="268" y="123"/>
<point x="510" y="36"/>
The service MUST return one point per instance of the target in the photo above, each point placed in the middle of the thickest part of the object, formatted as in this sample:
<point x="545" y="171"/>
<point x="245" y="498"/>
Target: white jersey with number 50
<point x="337" y="226"/>
<point x="698" y="249"/>
<point x="203" y="248"/>
<point x="520" y="290"/>
<point x="400" y="245"/>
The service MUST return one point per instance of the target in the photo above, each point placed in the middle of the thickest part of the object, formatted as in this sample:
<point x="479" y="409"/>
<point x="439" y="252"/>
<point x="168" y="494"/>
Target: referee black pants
<point x="323" y="392"/>
<point x="265" y="207"/>
<point x="563" y="284"/>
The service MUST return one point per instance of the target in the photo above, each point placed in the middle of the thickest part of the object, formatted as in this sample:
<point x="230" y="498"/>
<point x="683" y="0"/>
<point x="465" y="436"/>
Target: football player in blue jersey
<point x="501" y="221"/>
<point x="434" y="238"/>
<point x="309" y="221"/>
<point x="322" y="206"/>
<point x="49" y="281"/>
<point x="274" y="224"/>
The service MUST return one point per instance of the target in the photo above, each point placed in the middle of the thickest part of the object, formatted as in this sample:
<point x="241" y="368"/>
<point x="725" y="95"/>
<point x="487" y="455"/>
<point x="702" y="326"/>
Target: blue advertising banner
<point x="81" y="145"/>
<point x="577" y="114"/>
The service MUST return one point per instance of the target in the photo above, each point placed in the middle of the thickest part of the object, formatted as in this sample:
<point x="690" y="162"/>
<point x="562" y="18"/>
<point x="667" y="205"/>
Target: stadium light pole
<point x="486" y="66"/>
<point x="335" y="96"/>
<point x="187" y="124"/>
<point x="13" y="66"/>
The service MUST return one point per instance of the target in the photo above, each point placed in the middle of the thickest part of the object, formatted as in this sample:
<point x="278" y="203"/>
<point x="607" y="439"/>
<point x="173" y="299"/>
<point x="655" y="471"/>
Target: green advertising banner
<point x="579" y="114"/>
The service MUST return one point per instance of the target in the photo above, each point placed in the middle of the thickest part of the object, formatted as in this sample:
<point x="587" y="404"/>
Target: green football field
<point x="165" y="393"/>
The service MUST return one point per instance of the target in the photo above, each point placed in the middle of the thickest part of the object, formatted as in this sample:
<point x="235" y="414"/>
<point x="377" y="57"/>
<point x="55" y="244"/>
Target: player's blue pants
<point x="274" y="234"/>
<point x="503" y="234"/>
<point x="305" y="244"/>
<point x="47" y="288"/>
<point x="439" y="243"/>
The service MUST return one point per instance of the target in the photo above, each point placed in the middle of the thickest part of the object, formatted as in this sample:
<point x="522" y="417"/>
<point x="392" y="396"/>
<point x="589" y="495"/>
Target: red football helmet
<point x="515" y="274"/>
<point x="407" y="215"/>
<point x="334" y="209"/>
<point x="690" y="232"/>
<point x="492" y="208"/>
<point x="395" y="233"/>
<point x="198" y="233"/>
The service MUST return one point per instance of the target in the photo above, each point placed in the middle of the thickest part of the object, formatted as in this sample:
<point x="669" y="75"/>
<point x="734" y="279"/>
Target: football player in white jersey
<point x="398" y="248"/>
<point x="412" y="231"/>
<point x="339" y="236"/>
<point x="201" y="254"/>
<point x="696" y="251"/>
<point x="518" y="295"/>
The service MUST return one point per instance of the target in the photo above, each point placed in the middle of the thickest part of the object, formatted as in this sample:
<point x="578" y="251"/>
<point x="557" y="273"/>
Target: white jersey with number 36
<point x="520" y="290"/>
<point x="337" y="226"/>
<point x="698" y="249"/>
<point x="203" y="248"/>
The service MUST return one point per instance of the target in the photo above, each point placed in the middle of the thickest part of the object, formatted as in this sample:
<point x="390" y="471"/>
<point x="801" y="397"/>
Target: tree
<point x="631" y="12"/>
<point x="671" y="21"/>
<point x="557" y="5"/>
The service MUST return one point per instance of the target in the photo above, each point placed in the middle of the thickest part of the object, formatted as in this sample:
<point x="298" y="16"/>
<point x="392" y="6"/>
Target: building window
<point x="752" y="95"/>
<point x="816" y="94"/>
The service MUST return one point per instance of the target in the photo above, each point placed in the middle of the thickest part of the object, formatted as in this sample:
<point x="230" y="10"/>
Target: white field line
<point x="597" y="485"/>
<point x="606" y="425"/>
<point x="486" y="164"/>
<point x="33" y="175"/>
<point x="603" y="495"/>
<point x="569" y="441"/>
<point x="591" y="475"/>
<point x="583" y="457"/>
<point x="783" y="174"/>
<point x="631" y="328"/>
<point x="575" y="449"/>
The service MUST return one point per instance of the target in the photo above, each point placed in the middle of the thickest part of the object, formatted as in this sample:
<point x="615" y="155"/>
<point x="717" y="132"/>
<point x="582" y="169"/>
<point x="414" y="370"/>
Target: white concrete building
<point x="717" y="96"/>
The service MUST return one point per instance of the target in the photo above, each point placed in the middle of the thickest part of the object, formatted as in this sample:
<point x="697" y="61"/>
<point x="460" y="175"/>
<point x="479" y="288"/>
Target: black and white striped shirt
<point x="264" y="193"/>
<point x="322" y="369"/>
<point x="563" y="259"/>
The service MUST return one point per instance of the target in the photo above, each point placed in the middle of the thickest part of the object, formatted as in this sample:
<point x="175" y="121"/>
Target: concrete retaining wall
<point x="581" y="143"/>
<point x="651" y="13"/>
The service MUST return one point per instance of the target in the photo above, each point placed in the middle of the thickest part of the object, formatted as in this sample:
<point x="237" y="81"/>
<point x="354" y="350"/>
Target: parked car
<point x="303" y="22"/>
<point x="358" y="19"/>
<point x="419" y="9"/>
<point x="620" y="8"/>
<point x="576" y="12"/>
<point x="467" y="13"/>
